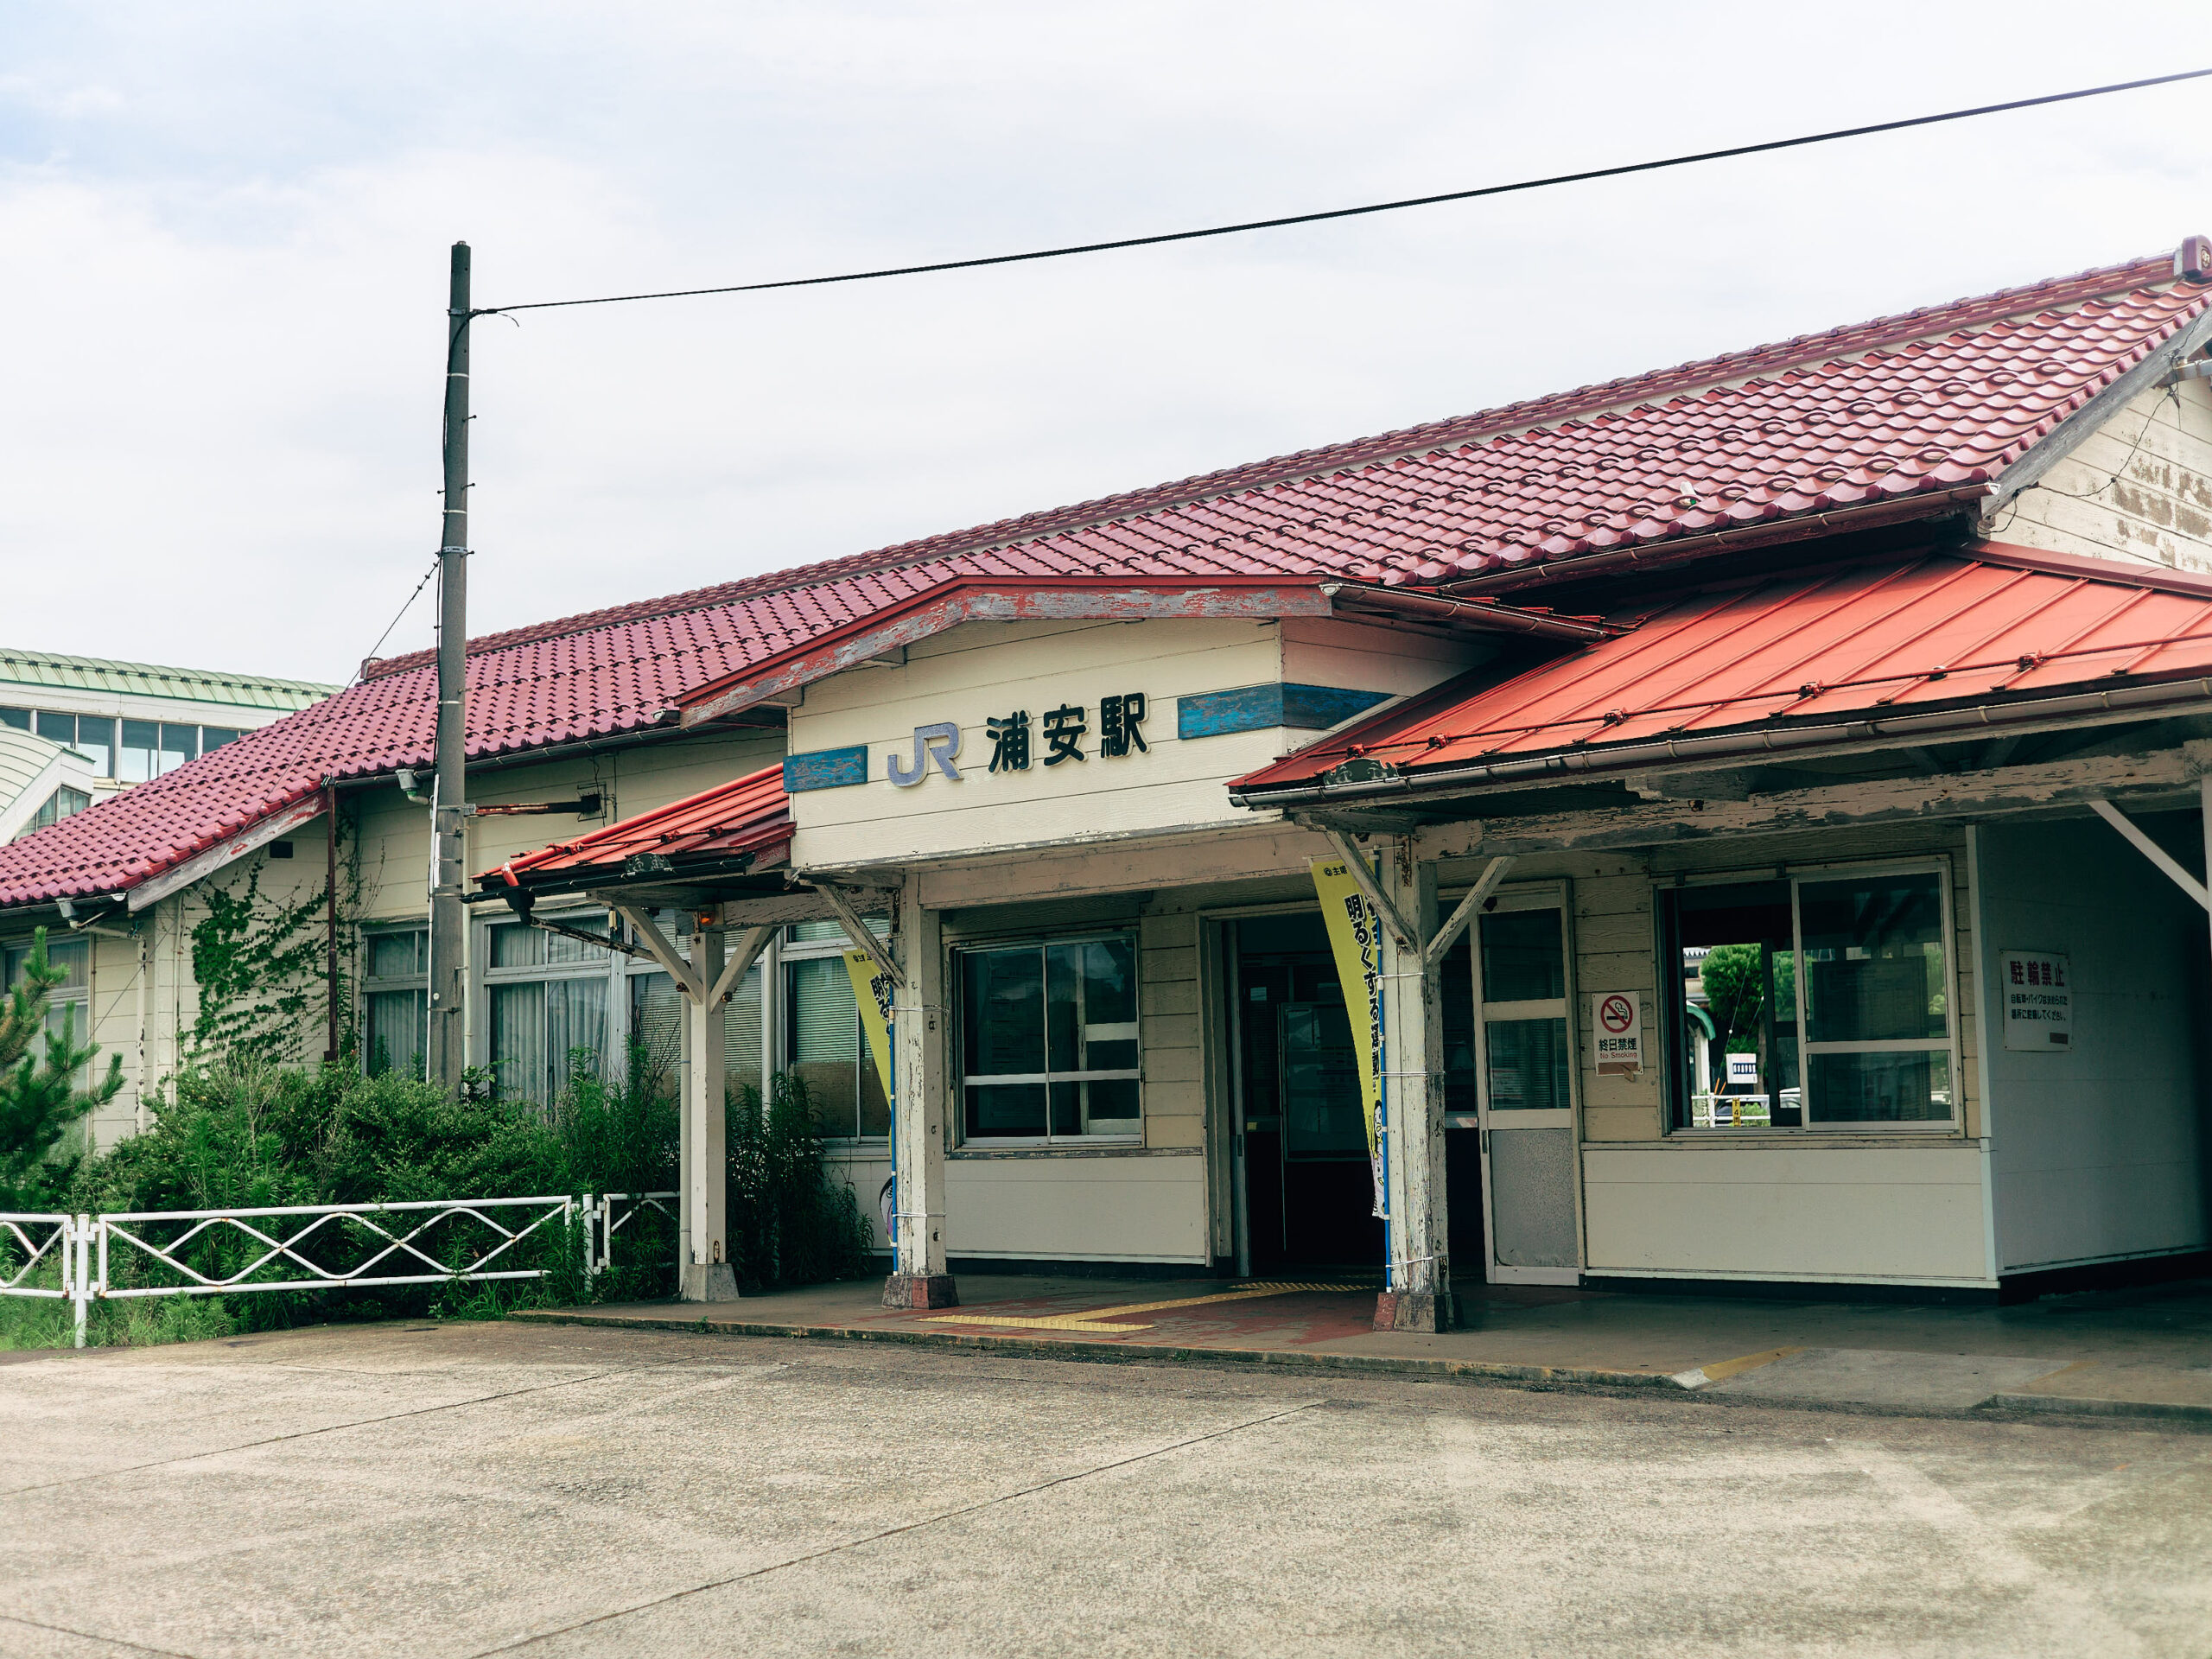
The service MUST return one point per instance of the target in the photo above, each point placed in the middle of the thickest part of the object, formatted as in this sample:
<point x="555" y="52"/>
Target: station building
<point x="1742" y="825"/>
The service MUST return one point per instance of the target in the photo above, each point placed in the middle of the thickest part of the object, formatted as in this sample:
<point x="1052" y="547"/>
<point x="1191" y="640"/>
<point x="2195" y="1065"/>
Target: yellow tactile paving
<point x="1097" y="1318"/>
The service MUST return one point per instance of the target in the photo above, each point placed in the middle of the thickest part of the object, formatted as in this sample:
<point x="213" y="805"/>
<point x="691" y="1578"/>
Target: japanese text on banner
<point x="1355" y="941"/>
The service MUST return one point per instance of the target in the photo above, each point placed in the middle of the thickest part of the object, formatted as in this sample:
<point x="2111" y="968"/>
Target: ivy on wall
<point x="260" y="965"/>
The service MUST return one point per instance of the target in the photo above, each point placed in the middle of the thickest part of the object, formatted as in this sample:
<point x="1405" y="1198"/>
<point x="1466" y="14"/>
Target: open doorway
<point x="1308" y="1197"/>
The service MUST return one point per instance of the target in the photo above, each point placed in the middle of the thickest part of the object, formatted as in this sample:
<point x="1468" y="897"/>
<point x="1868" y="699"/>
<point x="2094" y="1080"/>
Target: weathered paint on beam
<point x="226" y="852"/>
<point x="2011" y="789"/>
<point x="1257" y="708"/>
<point x="825" y="769"/>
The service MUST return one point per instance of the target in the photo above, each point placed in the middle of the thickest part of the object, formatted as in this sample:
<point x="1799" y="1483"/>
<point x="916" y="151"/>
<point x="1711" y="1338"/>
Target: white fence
<point x="84" y="1258"/>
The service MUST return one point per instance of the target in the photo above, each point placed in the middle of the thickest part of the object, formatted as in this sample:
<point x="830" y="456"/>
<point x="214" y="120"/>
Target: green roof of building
<point x="45" y="668"/>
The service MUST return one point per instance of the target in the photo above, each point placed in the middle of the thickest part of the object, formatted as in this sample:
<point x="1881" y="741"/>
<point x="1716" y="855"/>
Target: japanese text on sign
<point x="2037" y="988"/>
<point x="1062" y="729"/>
<point x="1617" y="1020"/>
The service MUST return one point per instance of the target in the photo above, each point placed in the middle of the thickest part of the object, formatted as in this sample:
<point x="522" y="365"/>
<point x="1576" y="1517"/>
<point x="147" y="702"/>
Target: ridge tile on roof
<point x="1913" y="406"/>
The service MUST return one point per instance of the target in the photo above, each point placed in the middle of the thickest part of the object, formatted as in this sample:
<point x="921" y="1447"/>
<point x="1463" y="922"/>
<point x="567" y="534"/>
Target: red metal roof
<point x="1903" y="409"/>
<point x="1910" y="634"/>
<point x="751" y="814"/>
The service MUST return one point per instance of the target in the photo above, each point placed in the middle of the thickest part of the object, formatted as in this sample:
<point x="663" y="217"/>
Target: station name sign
<point x="1064" y="731"/>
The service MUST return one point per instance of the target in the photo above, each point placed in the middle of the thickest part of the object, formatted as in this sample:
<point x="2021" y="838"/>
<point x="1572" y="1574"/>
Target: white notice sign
<point x="1744" y="1069"/>
<point x="1617" y="1017"/>
<point x="2038" y="992"/>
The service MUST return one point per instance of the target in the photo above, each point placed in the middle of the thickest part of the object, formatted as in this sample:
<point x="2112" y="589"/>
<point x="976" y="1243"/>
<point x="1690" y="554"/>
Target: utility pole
<point x="447" y="1036"/>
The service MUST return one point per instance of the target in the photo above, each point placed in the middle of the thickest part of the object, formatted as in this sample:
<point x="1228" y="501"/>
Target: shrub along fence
<point x="84" y="1259"/>
<point x="334" y="1191"/>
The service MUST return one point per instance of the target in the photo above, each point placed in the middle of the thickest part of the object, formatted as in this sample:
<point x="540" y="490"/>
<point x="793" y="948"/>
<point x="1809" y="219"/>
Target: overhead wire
<point x="1582" y="177"/>
<point x="394" y="623"/>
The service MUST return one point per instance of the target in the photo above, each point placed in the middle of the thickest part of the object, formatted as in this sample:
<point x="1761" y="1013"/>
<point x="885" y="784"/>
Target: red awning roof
<point x="750" y="814"/>
<point x="1768" y="662"/>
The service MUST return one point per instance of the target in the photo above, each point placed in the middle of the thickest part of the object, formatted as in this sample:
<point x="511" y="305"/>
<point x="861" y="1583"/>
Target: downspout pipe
<point x="330" y="922"/>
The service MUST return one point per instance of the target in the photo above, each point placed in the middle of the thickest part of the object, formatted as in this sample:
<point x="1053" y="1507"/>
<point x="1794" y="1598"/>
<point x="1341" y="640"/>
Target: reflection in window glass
<point x="179" y="745"/>
<point x="657" y="1028"/>
<point x="1048" y="1040"/>
<point x="1527" y="1066"/>
<point x="1873" y="958"/>
<point x="1456" y="994"/>
<point x="828" y="1050"/>
<point x="1524" y="956"/>
<point x="1881" y="1087"/>
<point x="213" y="737"/>
<point x="139" y="756"/>
<point x="96" y="743"/>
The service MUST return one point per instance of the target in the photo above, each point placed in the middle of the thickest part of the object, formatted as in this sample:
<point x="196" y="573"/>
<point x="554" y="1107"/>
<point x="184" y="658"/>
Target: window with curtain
<point x="1048" y="1040"/>
<point x="657" y="1028"/>
<point x="826" y="1049"/>
<point x="395" y="997"/>
<point x="546" y="1006"/>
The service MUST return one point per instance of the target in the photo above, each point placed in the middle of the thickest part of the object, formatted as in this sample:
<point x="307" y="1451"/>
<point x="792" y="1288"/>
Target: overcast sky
<point x="223" y="235"/>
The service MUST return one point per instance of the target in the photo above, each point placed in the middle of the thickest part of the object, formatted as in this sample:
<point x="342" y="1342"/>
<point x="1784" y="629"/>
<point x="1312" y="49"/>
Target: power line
<point x="1372" y="207"/>
<point x="395" y="622"/>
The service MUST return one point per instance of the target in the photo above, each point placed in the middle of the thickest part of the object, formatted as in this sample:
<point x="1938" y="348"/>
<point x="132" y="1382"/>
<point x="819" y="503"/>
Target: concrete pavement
<point x="550" y="1489"/>
<point x="2143" y="1352"/>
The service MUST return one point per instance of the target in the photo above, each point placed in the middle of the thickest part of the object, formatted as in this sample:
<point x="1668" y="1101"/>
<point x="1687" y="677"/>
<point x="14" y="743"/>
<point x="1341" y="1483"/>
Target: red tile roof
<point x="1903" y="410"/>
<point x="1767" y="657"/>
<point x="750" y="814"/>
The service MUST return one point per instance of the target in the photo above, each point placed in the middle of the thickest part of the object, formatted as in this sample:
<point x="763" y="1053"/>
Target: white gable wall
<point x="2158" y="508"/>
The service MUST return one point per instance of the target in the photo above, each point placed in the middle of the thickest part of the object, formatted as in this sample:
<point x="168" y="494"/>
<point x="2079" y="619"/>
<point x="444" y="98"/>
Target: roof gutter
<point x="1650" y="556"/>
<point x="1488" y="616"/>
<point x="2165" y="697"/>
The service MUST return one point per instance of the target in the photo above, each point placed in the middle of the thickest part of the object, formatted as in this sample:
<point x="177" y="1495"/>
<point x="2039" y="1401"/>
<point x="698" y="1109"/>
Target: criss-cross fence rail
<point x="83" y="1259"/>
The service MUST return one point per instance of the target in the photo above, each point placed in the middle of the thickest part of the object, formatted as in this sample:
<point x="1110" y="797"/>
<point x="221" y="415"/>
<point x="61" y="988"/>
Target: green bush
<point x="247" y="1134"/>
<point x="790" y="1224"/>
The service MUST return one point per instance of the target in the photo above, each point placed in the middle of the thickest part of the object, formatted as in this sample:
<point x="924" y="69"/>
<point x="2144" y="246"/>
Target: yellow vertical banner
<point x="872" y="989"/>
<point x="1356" y="940"/>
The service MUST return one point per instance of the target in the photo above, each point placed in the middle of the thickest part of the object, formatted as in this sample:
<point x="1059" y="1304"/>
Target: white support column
<point x="707" y="1273"/>
<point x="920" y="1125"/>
<point x="1419" y="1297"/>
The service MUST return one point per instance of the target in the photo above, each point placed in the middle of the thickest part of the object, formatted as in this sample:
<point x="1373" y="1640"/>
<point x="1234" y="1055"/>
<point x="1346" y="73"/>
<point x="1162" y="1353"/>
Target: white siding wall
<point x="2098" y="1152"/>
<point x="1785" y="1205"/>
<point x="2158" y="511"/>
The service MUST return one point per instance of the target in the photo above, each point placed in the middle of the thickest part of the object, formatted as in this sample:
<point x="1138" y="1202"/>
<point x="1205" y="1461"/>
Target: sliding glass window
<point x="1807" y="1000"/>
<point x="1048" y="1041"/>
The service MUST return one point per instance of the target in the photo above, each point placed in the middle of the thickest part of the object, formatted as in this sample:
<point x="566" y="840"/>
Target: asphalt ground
<point x="550" y="1489"/>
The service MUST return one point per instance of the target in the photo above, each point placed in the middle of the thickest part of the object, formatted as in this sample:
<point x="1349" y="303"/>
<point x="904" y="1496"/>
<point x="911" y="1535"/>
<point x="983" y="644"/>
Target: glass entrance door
<point x="1525" y="1074"/>
<point x="1306" y="1195"/>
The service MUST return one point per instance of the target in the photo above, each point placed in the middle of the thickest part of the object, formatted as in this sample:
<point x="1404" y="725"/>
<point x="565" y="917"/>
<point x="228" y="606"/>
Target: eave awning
<point x="1911" y="650"/>
<point x="732" y="829"/>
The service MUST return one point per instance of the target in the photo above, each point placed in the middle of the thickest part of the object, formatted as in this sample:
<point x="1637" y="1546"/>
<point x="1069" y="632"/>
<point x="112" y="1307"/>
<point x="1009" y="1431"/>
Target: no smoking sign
<point x="1617" y="1019"/>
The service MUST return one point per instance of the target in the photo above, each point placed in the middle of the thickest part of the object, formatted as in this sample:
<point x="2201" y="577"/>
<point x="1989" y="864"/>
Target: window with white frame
<point x="1818" y="999"/>
<point x="545" y="998"/>
<point x="69" y="1005"/>
<point x="394" y="1000"/>
<point x="1048" y="1040"/>
<point x="824" y="1045"/>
